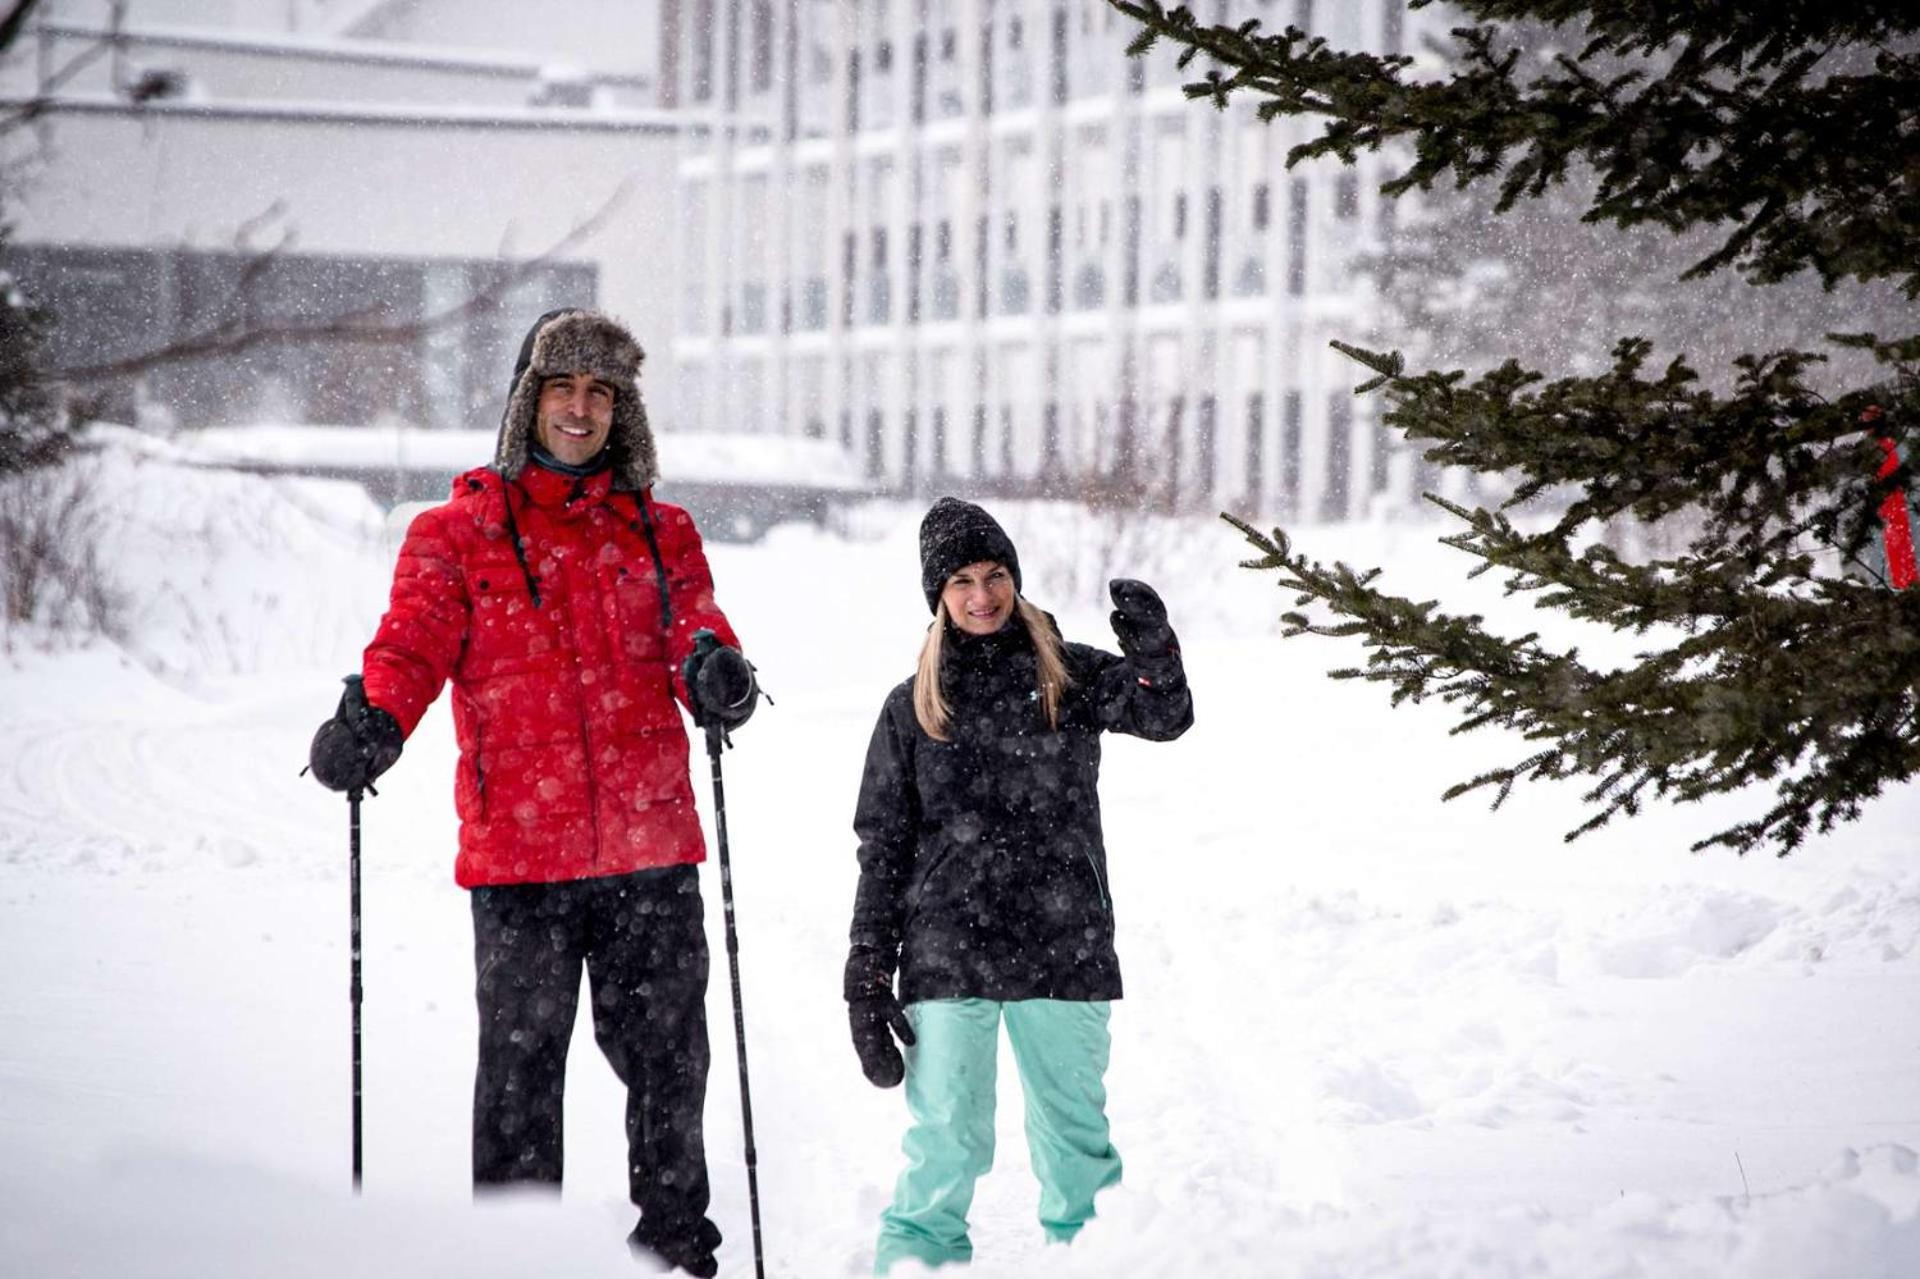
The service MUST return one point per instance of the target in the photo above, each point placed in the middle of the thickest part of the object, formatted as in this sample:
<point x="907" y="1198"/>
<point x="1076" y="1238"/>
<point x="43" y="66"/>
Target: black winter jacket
<point x="981" y="857"/>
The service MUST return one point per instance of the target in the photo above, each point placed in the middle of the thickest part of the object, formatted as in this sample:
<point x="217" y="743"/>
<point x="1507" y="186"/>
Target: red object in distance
<point x="1896" y="525"/>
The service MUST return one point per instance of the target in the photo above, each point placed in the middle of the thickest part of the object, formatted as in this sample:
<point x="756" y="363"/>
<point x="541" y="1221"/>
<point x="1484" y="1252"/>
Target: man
<point x="566" y="606"/>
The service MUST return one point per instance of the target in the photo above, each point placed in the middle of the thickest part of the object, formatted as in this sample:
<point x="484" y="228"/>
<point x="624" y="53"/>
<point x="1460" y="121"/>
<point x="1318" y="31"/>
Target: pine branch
<point x="1818" y="693"/>
<point x="1764" y="466"/>
<point x="1804" y="136"/>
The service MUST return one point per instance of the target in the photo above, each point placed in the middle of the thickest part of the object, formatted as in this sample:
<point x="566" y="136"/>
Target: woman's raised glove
<point x="875" y="1016"/>
<point x="1139" y="621"/>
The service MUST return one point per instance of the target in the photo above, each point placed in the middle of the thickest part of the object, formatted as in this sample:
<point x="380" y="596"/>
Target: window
<point x="1210" y="260"/>
<point x="753" y="307"/>
<point x="876" y="445"/>
<point x="853" y="92"/>
<point x="1256" y="450"/>
<point x="811" y="243"/>
<point x="1056" y="255"/>
<point x="879" y="281"/>
<point x="918" y="93"/>
<point x="1089" y="286"/>
<point x="1346" y="196"/>
<point x="1016" y="73"/>
<point x="762" y="46"/>
<point x="1176" y="447"/>
<point x="909" y="449"/>
<point x="1334" y="497"/>
<point x="946" y="284"/>
<point x="702" y="62"/>
<point x="1014" y="286"/>
<point x="1207" y="446"/>
<point x="914" y="235"/>
<point x="1290" y="454"/>
<point x="986" y="70"/>
<point x="849" y="262"/>
<point x="1166" y="283"/>
<point x="693" y="253"/>
<point x="753" y="218"/>
<point x="1050" y="457"/>
<point x="1297" y="237"/>
<point x="1057" y="61"/>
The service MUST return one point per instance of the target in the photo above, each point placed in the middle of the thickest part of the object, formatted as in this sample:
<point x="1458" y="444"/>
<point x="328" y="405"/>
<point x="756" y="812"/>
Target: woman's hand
<point x="1140" y="624"/>
<point x="875" y="1016"/>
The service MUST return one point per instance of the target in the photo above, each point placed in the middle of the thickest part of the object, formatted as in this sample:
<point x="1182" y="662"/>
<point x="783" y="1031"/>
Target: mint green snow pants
<point x="1061" y="1049"/>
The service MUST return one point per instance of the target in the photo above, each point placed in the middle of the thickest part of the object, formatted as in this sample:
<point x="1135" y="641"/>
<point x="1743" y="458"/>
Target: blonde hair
<point x="1050" y="669"/>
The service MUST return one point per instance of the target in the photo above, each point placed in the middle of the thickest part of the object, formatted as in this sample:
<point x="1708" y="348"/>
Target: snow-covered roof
<point x="690" y="457"/>
<point x="595" y="119"/>
<point x="331" y="49"/>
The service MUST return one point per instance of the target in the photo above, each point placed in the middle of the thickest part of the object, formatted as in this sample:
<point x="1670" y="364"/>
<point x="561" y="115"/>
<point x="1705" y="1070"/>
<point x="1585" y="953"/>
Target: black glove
<point x="875" y="1016"/>
<point x="720" y="683"/>
<point x="1140" y="624"/>
<point x="358" y="744"/>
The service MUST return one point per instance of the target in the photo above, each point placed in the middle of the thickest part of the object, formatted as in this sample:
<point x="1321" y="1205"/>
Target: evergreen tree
<point x="33" y="432"/>
<point x="1778" y="652"/>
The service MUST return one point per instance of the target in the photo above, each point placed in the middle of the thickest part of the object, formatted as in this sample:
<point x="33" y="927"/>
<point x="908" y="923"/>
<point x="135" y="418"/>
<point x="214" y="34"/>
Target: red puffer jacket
<point x="573" y="759"/>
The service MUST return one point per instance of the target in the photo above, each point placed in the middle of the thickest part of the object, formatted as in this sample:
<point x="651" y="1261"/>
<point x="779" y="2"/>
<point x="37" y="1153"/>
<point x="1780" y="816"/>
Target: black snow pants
<point x="643" y="941"/>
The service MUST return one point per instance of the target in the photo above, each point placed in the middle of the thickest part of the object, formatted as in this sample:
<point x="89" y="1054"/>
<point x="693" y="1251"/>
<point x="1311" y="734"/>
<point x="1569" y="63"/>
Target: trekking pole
<point x="354" y="694"/>
<point x="714" y="735"/>
<point x="353" y="987"/>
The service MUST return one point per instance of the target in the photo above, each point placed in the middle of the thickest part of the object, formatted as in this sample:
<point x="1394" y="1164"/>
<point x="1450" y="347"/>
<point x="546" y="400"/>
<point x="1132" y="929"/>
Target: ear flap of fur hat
<point x="588" y="342"/>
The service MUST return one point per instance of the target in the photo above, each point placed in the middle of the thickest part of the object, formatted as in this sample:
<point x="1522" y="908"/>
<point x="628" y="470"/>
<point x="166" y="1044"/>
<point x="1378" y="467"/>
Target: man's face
<point x="576" y="413"/>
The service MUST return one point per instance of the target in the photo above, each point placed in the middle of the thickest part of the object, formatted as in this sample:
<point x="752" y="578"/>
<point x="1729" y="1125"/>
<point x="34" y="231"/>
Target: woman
<point x="983" y="880"/>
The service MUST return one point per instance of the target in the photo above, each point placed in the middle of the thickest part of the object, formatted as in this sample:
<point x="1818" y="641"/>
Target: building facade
<point x="275" y="168"/>
<point x="986" y="250"/>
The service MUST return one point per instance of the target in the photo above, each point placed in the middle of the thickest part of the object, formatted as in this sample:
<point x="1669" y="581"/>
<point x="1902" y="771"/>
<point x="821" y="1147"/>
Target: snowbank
<point x="1366" y="1034"/>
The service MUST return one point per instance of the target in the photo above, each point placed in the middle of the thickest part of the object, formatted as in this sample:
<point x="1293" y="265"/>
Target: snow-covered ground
<point x="1366" y="1034"/>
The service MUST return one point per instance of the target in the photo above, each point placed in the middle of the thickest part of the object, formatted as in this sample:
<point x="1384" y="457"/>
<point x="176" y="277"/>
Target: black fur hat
<point x="955" y="534"/>
<point x="571" y="340"/>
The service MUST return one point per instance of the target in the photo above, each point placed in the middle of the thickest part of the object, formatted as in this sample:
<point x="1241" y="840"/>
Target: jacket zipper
<point x="1098" y="882"/>
<point x="586" y="745"/>
<point x="479" y="771"/>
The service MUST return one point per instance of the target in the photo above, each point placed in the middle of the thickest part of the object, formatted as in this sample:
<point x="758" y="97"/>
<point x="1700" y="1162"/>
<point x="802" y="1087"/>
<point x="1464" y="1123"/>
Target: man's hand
<point x="875" y="1017"/>
<point x="720" y="683"/>
<point x="358" y="744"/>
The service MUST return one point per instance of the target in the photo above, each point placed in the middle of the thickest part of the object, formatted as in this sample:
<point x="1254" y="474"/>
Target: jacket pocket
<point x="470" y="787"/>
<point x="1099" y="880"/>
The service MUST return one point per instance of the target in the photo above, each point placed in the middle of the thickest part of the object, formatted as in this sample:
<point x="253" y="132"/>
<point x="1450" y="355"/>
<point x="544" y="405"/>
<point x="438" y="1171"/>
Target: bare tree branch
<point x="14" y="22"/>
<point x="355" y="327"/>
<point x="110" y="41"/>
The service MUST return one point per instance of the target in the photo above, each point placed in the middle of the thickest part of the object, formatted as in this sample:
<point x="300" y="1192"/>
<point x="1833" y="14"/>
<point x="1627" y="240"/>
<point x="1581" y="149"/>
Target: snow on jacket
<point x="573" y="757"/>
<point x="982" y="857"/>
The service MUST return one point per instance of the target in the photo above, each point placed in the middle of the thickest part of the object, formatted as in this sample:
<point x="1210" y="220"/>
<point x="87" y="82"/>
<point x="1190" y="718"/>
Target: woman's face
<point x="979" y="597"/>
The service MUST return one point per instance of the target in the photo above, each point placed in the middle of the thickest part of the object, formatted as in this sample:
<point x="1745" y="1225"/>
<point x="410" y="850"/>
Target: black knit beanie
<point x="955" y="534"/>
